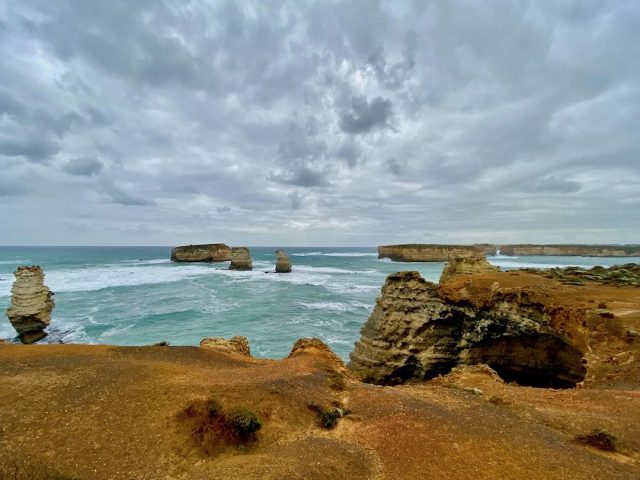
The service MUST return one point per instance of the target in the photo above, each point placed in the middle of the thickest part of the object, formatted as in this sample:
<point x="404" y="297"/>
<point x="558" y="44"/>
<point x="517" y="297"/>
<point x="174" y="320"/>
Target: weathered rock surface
<point x="418" y="331"/>
<point x="466" y="266"/>
<point x="429" y="252"/>
<point x="240" y="259"/>
<point x="237" y="345"/>
<point x="31" y="304"/>
<point x="212" y="252"/>
<point x="283" y="263"/>
<point x="572" y="250"/>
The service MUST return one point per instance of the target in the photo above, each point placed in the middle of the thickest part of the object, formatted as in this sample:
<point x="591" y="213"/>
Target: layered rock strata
<point x="31" y="304"/>
<point x="572" y="250"/>
<point x="238" y="345"/>
<point x="418" y="330"/>
<point x="283" y="263"/>
<point x="212" y="252"/>
<point x="429" y="252"/>
<point x="465" y="266"/>
<point x="241" y="259"/>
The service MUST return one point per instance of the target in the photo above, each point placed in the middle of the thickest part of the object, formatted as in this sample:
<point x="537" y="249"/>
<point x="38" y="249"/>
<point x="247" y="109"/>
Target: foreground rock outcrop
<point x="238" y="345"/>
<point x="429" y="252"/>
<point x="571" y="250"/>
<point x="241" y="259"/>
<point x="31" y="304"/>
<point x="211" y="252"/>
<point x="283" y="263"/>
<point x="466" y="266"/>
<point x="532" y="330"/>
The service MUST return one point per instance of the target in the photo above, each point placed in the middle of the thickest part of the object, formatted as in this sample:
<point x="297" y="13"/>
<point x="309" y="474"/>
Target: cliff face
<point x="31" y="304"/>
<point x="572" y="250"/>
<point x="428" y="252"/>
<point x="241" y="259"/>
<point x="212" y="252"/>
<point x="531" y="330"/>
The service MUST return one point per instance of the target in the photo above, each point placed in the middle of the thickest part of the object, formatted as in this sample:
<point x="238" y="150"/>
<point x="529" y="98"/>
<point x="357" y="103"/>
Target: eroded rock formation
<point x="466" y="266"/>
<point x="283" y="263"/>
<point x="418" y="331"/>
<point x="237" y="345"/>
<point x="429" y="252"/>
<point x="212" y="252"/>
<point x="31" y="304"/>
<point x="240" y="259"/>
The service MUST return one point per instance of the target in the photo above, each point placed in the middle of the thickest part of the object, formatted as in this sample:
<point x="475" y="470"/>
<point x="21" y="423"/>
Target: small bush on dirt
<point x="327" y="416"/>
<point x="213" y="428"/>
<point x="599" y="439"/>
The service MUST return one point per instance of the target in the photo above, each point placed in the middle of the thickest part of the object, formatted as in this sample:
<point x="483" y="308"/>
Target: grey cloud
<point x="394" y="167"/>
<point x="363" y="116"/>
<point x="556" y="185"/>
<point x="122" y="196"/>
<point x="34" y="149"/>
<point x="84" y="166"/>
<point x="303" y="177"/>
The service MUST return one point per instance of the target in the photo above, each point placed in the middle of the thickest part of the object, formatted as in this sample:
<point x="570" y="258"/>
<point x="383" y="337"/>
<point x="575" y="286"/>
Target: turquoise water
<point x="136" y="296"/>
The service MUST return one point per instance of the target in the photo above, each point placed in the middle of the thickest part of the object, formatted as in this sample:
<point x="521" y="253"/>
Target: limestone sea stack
<point x="417" y="252"/>
<point x="465" y="266"/>
<point x="211" y="252"/>
<point x="241" y="259"/>
<point x="31" y="304"/>
<point x="283" y="263"/>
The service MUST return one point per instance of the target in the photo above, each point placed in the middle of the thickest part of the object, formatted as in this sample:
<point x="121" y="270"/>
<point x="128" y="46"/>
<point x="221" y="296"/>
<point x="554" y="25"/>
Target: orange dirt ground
<point x="105" y="412"/>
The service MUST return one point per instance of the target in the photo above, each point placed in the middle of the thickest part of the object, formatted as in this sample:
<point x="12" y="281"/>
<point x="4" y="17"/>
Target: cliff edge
<point x="429" y="252"/>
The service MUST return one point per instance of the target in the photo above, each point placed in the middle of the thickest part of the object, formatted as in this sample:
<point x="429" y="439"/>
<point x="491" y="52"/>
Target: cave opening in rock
<point x="541" y="360"/>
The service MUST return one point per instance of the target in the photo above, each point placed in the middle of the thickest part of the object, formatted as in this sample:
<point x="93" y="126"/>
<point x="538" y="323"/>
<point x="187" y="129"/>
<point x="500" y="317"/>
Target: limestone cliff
<point x="530" y="329"/>
<point x="31" y="304"/>
<point x="241" y="259"/>
<point x="283" y="263"/>
<point x="572" y="250"/>
<point x="212" y="252"/>
<point x="465" y="266"/>
<point x="429" y="252"/>
<point x="238" y="345"/>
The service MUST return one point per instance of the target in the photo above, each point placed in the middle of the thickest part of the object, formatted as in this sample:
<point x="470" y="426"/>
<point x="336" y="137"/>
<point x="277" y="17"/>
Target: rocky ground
<point x="104" y="412"/>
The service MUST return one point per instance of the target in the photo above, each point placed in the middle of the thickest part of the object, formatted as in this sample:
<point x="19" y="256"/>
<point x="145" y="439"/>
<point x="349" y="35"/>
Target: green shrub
<point x="327" y="416"/>
<point x="243" y="422"/>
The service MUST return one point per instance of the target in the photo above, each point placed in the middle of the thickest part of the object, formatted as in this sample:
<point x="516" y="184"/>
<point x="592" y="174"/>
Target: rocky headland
<point x="532" y="329"/>
<point x="283" y="263"/>
<point x="211" y="252"/>
<point x="571" y="250"/>
<point x="31" y="304"/>
<point x="428" y="252"/>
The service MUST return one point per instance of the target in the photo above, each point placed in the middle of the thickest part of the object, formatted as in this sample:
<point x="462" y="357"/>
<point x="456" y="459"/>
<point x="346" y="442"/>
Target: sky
<point x="328" y="123"/>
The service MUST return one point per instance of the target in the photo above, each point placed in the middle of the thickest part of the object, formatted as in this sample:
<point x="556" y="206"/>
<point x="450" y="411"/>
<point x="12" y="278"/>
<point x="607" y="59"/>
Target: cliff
<point x="212" y="252"/>
<point x="572" y="250"/>
<point x="104" y="412"/>
<point x="31" y="304"/>
<point x="465" y="266"/>
<point x="531" y="329"/>
<point x="429" y="252"/>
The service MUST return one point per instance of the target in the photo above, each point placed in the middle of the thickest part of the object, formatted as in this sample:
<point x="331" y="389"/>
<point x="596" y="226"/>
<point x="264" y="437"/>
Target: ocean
<point x="136" y="296"/>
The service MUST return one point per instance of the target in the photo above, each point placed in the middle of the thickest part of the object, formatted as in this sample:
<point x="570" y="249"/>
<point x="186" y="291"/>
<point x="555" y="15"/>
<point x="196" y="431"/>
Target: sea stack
<point x="283" y="264"/>
<point x="466" y="266"/>
<point x="240" y="259"/>
<point x="31" y="304"/>
<point x="210" y="252"/>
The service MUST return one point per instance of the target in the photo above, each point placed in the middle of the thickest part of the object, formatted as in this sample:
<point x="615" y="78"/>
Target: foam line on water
<point x="335" y="254"/>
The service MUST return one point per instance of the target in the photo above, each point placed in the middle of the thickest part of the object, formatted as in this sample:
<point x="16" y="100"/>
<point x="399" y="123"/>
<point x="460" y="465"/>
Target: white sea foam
<point x="15" y="262"/>
<point x="335" y="306"/>
<point x="525" y="264"/>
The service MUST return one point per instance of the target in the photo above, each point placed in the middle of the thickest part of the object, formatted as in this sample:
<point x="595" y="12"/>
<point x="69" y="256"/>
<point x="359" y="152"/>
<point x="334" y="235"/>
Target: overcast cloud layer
<point x="319" y="123"/>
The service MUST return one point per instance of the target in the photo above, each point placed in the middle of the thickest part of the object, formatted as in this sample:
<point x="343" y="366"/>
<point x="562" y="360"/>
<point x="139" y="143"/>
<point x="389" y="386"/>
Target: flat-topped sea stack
<point x="423" y="252"/>
<point x="241" y="259"/>
<point x="533" y="329"/>
<point x="571" y="250"/>
<point x="211" y="252"/>
<point x="465" y="266"/>
<point x="31" y="304"/>
<point x="283" y="263"/>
